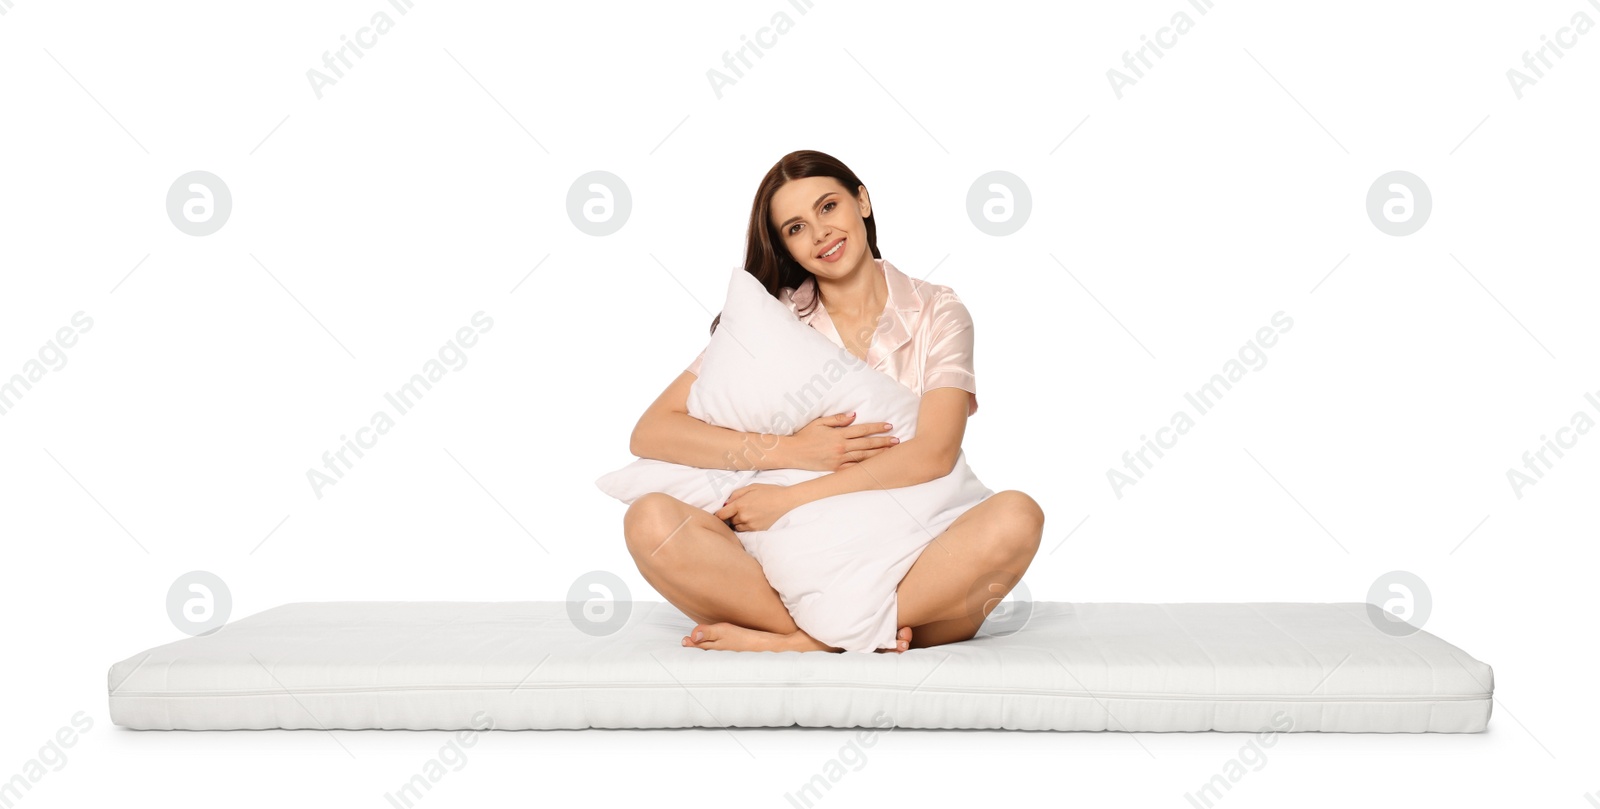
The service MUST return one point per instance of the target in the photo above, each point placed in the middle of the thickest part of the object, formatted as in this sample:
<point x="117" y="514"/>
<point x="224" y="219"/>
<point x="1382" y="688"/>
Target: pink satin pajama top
<point x="924" y="336"/>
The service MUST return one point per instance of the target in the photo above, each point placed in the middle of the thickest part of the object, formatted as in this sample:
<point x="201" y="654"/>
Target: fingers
<point x="869" y="428"/>
<point x="841" y="419"/>
<point x="875" y="442"/>
<point x="730" y="517"/>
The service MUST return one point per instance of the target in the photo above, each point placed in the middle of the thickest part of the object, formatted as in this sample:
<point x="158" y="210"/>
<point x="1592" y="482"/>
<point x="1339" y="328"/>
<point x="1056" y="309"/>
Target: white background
<point x="370" y="224"/>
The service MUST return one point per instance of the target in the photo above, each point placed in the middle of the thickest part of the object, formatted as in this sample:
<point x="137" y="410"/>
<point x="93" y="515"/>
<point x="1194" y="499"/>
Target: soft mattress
<point x="528" y="665"/>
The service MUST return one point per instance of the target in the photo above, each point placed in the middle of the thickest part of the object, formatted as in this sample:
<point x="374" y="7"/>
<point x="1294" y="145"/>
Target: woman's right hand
<point x="831" y="443"/>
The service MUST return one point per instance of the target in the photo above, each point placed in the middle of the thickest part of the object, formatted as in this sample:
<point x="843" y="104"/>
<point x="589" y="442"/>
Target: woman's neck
<point x="857" y="296"/>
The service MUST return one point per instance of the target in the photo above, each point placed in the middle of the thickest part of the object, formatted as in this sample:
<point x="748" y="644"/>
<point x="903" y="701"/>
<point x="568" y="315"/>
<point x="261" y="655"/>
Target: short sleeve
<point x="949" y="360"/>
<point x="694" y="367"/>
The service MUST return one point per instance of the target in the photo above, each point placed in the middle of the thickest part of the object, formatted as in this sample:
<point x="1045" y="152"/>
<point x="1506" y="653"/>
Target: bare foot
<point x="732" y="637"/>
<point x="902" y="641"/>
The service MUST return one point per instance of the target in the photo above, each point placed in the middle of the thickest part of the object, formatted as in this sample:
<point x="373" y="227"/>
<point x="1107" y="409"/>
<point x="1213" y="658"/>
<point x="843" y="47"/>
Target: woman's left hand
<point x="756" y="507"/>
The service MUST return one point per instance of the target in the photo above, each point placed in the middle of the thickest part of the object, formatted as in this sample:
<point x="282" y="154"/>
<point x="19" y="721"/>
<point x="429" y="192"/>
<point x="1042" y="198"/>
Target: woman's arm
<point x="930" y="454"/>
<point x="667" y="432"/>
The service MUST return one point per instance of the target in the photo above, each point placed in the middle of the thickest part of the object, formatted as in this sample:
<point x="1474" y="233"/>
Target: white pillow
<point x="766" y="371"/>
<point x="702" y="488"/>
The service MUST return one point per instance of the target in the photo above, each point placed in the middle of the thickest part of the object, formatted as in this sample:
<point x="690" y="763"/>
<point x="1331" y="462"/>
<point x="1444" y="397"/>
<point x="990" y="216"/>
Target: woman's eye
<point x="826" y="206"/>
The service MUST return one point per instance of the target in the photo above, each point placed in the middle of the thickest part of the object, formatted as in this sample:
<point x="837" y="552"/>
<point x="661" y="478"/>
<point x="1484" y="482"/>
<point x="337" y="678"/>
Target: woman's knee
<point x="650" y="521"/>
<point x="1020" y="523"/>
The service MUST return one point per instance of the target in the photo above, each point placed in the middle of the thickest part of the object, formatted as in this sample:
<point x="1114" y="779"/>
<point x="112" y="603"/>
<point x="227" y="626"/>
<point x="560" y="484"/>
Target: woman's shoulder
<point x="935" y="294"/>
<point x="930" y="297"/>
<point x="942" y="306"/>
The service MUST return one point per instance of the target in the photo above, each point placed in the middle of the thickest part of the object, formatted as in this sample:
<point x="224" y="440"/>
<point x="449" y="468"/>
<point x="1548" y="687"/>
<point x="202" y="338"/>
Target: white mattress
<point x="524" y="665"/>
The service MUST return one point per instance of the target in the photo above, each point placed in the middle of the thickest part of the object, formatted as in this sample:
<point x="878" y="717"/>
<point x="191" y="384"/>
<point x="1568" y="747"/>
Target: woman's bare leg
<point x="698" y="564"/>
<point x="964" y="574"/>
<point x="951" y="589"/>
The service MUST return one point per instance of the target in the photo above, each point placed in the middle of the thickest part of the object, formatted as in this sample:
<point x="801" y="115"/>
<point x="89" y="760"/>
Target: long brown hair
<point x="765" y="255"/>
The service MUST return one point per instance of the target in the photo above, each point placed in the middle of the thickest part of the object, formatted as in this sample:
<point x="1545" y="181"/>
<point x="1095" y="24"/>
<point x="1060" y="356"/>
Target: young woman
<point x="813" y="244"/>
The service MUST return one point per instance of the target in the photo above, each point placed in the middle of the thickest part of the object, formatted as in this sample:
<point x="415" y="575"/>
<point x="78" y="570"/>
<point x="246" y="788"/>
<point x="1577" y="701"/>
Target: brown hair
<point x="765" y="255"/>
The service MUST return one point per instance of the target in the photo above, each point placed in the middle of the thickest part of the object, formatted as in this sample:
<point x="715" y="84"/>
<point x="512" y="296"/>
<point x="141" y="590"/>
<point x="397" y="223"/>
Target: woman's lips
<point x="837" y="253"/>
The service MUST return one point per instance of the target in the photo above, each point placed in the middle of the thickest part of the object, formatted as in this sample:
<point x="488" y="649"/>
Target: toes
<point x="695" y="635"/>
<point x="902" y="641"/>
<point x="704" y="636"/>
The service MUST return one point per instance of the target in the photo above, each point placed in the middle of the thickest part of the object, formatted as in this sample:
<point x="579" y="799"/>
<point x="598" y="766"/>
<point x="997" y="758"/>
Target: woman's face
<point x="812" y="215"/>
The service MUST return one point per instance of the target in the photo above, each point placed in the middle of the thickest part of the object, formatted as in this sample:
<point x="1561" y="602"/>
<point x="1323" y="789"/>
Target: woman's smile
<point x="834" y="251"/>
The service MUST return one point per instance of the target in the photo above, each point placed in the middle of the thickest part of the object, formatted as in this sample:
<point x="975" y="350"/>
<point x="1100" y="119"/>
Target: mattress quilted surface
<point x="527" y="665"/>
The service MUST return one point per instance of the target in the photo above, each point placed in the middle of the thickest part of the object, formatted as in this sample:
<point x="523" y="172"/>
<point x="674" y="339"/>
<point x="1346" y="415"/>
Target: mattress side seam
<point x="1305" y="698"/>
